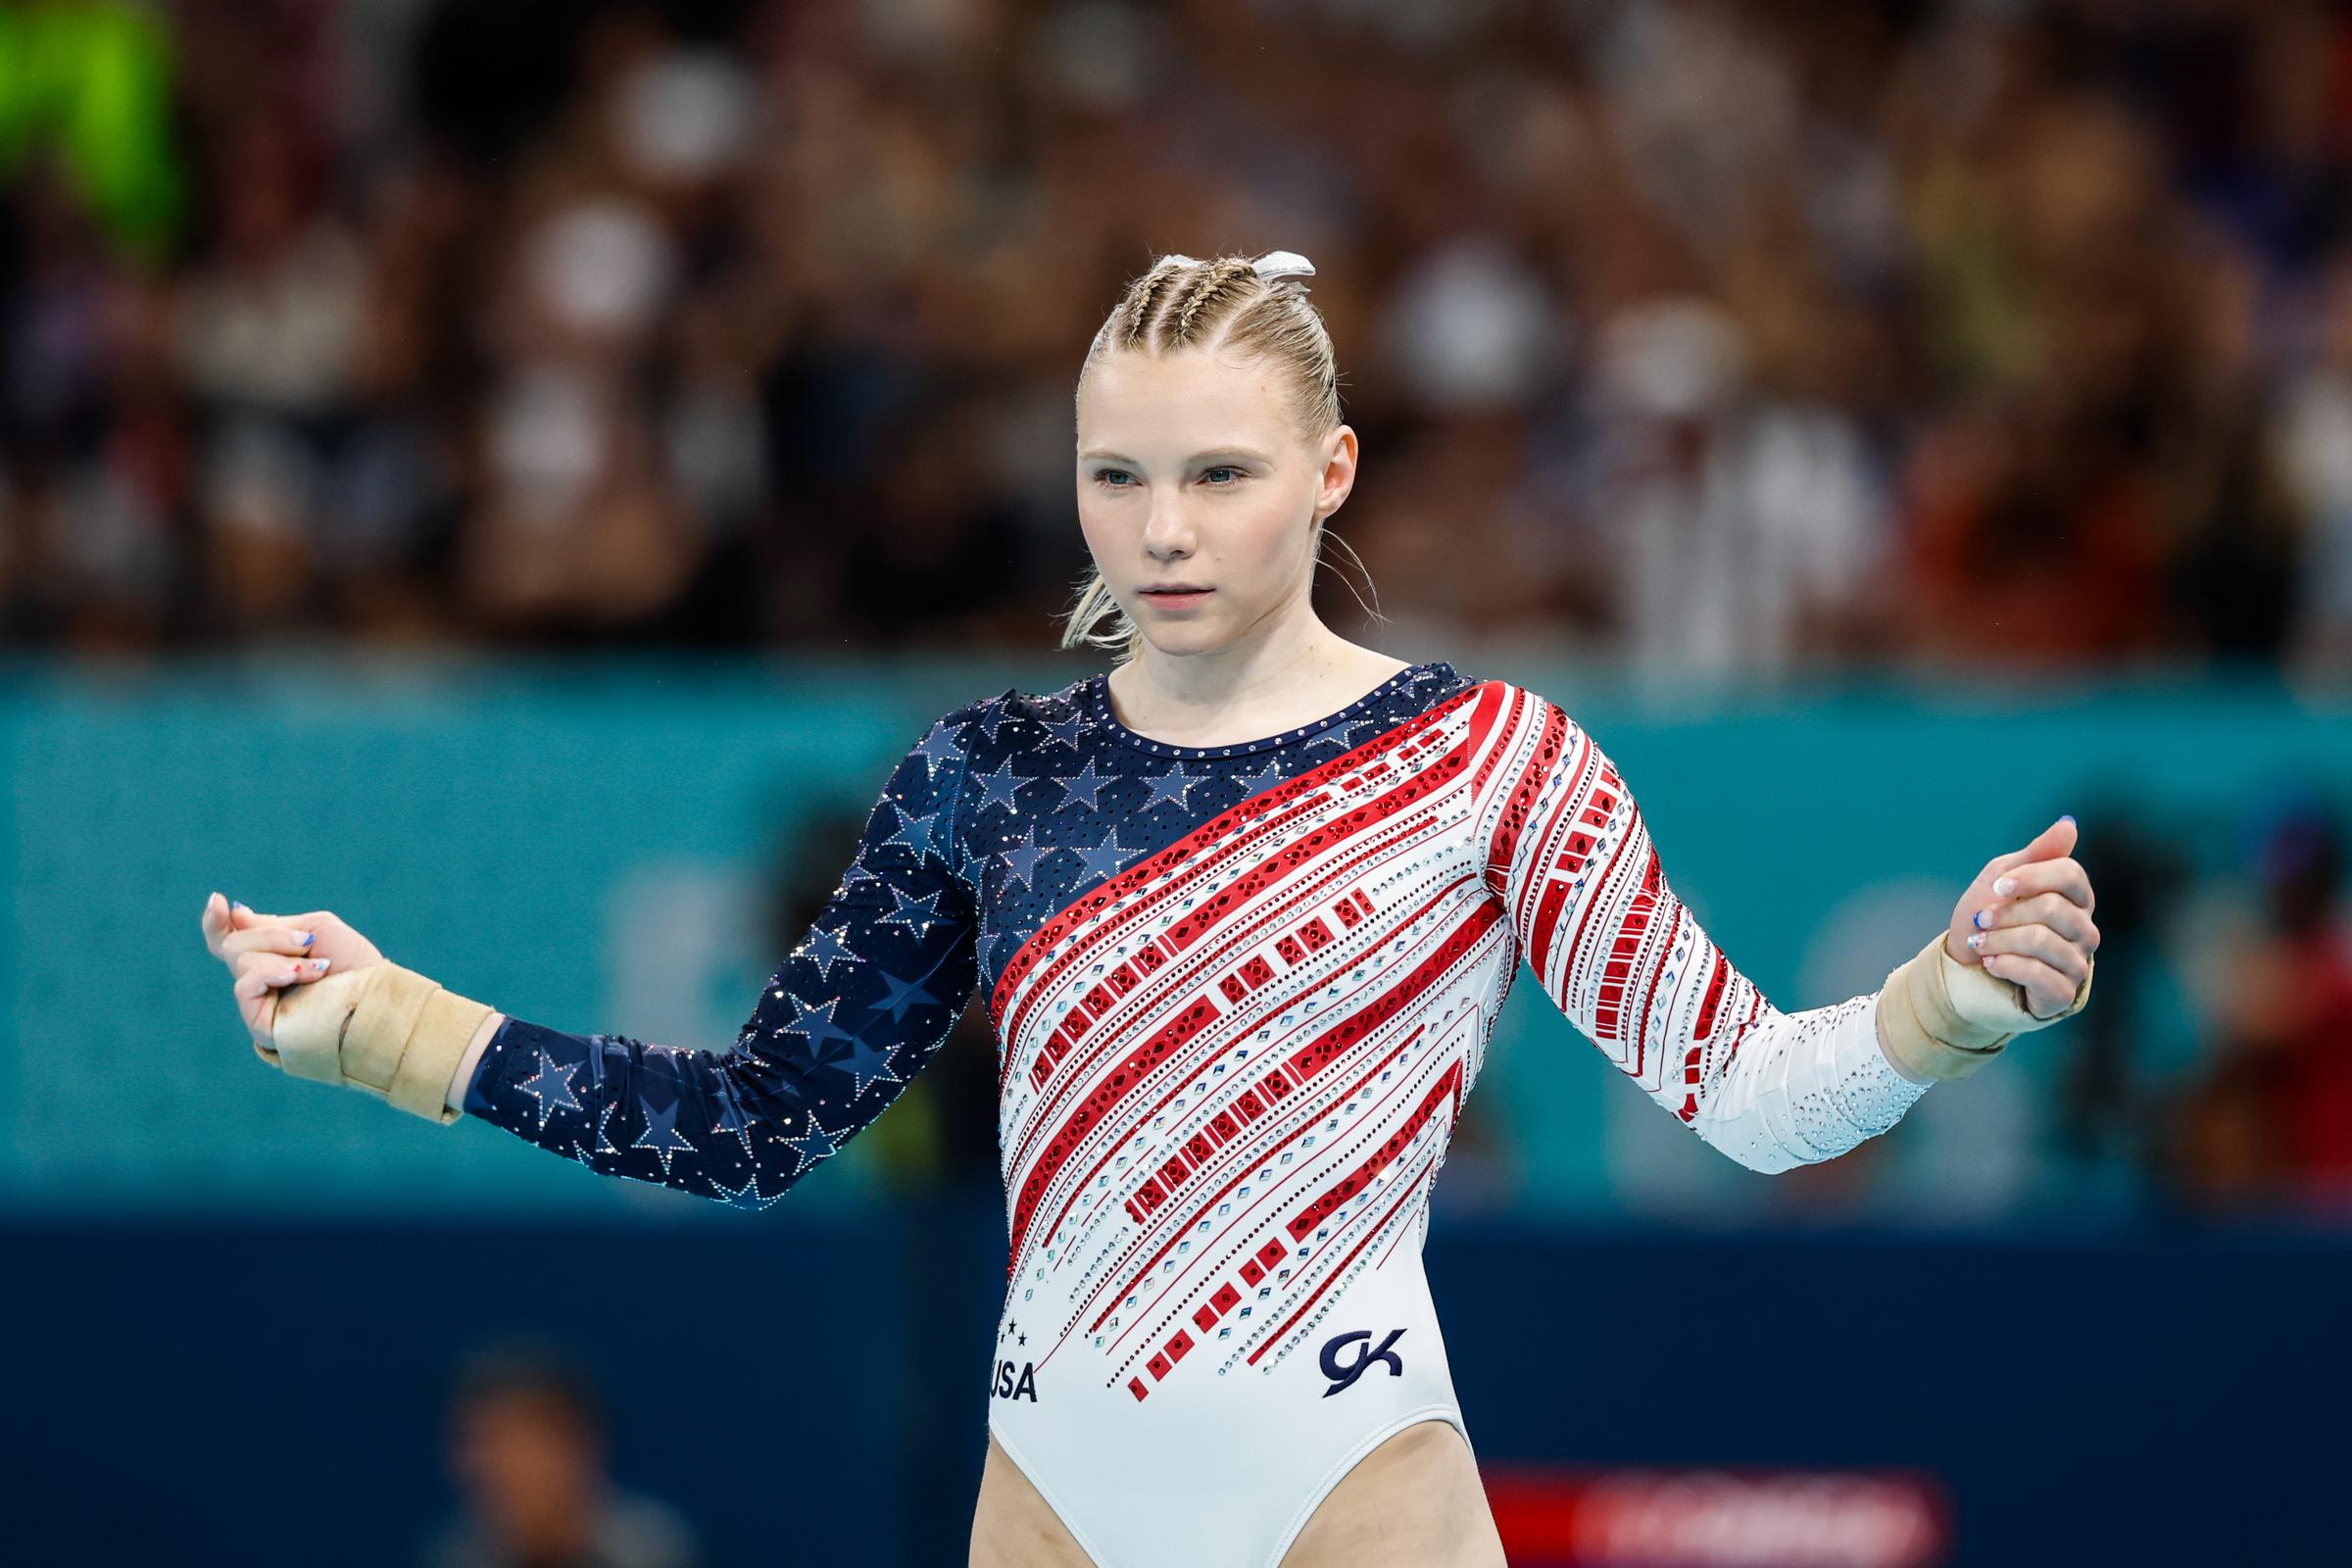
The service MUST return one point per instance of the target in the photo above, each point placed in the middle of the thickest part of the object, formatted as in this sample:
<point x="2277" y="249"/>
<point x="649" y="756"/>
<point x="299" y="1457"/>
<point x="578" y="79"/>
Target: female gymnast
<point x="1243" y="911"/>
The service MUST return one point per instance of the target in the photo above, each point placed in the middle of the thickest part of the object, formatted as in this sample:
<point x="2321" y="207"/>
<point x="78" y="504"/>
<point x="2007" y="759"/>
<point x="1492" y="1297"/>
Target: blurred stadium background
<point x="515" y="472"/>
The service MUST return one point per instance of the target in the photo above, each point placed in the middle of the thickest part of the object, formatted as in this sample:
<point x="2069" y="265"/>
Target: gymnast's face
<point x="1193" y="474"/>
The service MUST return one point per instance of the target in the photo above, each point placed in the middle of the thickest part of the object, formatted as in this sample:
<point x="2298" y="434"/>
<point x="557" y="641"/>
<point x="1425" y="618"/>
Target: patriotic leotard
<point x="1239" y="994"/>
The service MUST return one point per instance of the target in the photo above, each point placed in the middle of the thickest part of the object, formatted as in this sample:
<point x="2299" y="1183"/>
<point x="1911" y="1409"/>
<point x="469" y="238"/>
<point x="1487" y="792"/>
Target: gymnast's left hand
<point x="2026" y="918"/>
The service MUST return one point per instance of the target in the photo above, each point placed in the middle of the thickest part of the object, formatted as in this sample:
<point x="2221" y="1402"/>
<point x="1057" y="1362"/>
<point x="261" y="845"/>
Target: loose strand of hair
<point x="1371" y="611"/>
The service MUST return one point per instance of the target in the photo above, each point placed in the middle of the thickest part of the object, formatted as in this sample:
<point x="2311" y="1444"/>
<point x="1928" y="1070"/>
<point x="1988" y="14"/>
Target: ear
<point x="1339" y="451"/>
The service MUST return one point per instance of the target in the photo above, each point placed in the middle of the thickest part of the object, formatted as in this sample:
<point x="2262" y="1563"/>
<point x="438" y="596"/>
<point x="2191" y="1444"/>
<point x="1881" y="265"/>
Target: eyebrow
<point x="1245" y="454"/>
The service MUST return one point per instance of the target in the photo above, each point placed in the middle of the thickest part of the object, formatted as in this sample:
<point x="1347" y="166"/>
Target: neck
<point x="1253" y="669"/>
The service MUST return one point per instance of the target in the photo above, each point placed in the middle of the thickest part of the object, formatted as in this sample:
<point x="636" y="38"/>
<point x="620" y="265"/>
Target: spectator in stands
<point x="2273" y="1116"/>
<point x="528" y="1447"/>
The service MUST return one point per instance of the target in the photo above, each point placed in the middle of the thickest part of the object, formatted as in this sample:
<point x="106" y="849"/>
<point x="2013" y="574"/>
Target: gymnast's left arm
<point x="1571" y="858"/>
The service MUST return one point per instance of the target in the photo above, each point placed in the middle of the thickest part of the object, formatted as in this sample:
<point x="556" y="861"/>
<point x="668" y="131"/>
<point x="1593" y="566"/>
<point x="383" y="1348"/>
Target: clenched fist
<point x="268" y="952"/>
<point x="2027" y="919"/>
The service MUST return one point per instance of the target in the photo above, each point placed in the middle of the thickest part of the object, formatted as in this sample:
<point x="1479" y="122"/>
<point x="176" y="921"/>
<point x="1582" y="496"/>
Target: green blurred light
<point x="91" y="83"/>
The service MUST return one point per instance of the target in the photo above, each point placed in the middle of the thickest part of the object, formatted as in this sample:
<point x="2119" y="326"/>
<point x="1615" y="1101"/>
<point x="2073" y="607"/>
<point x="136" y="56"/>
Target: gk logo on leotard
<point x="1344" y="1377"/>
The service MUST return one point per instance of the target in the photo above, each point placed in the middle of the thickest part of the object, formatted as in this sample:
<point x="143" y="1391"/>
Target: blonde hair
<point x="1226" y="301"/>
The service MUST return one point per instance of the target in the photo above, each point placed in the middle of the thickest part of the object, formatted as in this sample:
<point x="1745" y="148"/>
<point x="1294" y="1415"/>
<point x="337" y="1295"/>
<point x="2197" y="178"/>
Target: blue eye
<point x="1222" y="475"/>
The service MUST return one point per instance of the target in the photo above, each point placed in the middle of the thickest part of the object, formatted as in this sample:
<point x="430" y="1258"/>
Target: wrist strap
<point x="384" y="1029"/>
<point x="1940" y="1018"/>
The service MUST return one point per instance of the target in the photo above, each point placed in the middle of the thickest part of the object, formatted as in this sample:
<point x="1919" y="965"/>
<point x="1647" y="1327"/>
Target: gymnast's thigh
<point x="1415" y="1501"/>
<point x="1013" y="1527"/>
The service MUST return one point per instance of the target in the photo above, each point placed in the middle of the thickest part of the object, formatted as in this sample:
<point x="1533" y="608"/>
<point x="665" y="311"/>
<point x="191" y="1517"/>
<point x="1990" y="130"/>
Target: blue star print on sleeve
<point x="857" y="1008"/>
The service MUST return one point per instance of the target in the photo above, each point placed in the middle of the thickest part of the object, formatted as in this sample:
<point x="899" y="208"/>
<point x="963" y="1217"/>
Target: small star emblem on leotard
<point x="1085" y="784"/>
<point x="812" y="1146"/>
<point x="941" y="744"/>
<point x="745" y="1196"/>
<point x="1264" y="779"/>
<point x="551" y="1086"/>
<point x="898" y="996"/>
<point x="916" y="832"/>
<point x="815" y="1026"/>
<point x="1106" y="856"/>
<point x="1337" y="735"/>
<point x="865" y="1063"/>
<point x="824" y="948"/>
<point x="662" y="1136"/>
<point x="1021" y="861"/>
<point x="991" y="719"/>
<point x="1173" y="785"/>
<point x="999" y="788"/>
<point x="918" y="915"/>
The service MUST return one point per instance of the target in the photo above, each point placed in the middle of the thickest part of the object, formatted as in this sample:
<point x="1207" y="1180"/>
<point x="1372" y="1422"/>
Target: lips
<point x="1175" y="588"/>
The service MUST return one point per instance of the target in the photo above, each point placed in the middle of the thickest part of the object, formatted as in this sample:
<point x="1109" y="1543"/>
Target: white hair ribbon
<point x="1276" y="265"/>
<point x="1270" y="268"/>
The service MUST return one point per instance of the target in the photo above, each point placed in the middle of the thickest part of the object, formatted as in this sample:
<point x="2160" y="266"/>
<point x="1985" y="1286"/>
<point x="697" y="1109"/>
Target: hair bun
<point x="1275" y="264"/>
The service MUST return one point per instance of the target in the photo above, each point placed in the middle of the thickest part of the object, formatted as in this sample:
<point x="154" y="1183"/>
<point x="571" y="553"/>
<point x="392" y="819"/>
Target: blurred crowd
<point x="1719" y="335"/>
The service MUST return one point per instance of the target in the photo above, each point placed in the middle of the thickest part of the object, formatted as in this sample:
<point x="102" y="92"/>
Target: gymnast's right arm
<point x="856" y="1008"/>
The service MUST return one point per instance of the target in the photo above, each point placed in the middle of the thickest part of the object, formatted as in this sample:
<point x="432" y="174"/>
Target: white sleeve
<point x="1617" y="952"/>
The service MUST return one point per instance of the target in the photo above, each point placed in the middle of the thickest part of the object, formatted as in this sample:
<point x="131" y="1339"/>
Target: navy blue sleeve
<point x="857" y="1008"/>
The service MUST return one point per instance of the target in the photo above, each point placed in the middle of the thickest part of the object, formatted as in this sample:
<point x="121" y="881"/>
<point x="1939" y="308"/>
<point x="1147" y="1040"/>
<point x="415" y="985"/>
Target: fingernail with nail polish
<point x="309" y="937"/>
<point x="1978" y="919"/>
<point x="2005" y="886"/>
<point x="1976" y="939"/>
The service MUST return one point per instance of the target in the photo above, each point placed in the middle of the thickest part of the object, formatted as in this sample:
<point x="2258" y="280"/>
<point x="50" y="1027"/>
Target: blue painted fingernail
<point x="1978" y="919"/>
<point x="239" y="904"/>
<point x="309" y="937"/>
<point x="1975" y="939"/>
<point x="2067" y="817"/>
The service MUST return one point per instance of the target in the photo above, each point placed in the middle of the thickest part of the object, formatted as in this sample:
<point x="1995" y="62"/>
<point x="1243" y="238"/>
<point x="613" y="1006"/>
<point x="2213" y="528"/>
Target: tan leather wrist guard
<point x="1941" y="1019"/>
<point x="384" y="1029"/>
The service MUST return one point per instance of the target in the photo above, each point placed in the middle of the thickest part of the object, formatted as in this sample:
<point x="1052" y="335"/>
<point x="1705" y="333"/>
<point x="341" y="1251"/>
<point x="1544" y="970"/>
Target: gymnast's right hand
<point x="371" y="1025"/>
<point x="268" y="952"/>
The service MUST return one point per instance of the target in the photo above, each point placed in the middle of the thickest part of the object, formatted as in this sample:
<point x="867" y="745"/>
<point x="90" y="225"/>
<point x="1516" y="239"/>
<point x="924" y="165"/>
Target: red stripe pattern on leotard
<point x="1232" y="1053"/>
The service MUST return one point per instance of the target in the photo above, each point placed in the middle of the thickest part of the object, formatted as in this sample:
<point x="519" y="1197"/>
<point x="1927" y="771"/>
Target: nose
<point x="1167" y="530"/>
